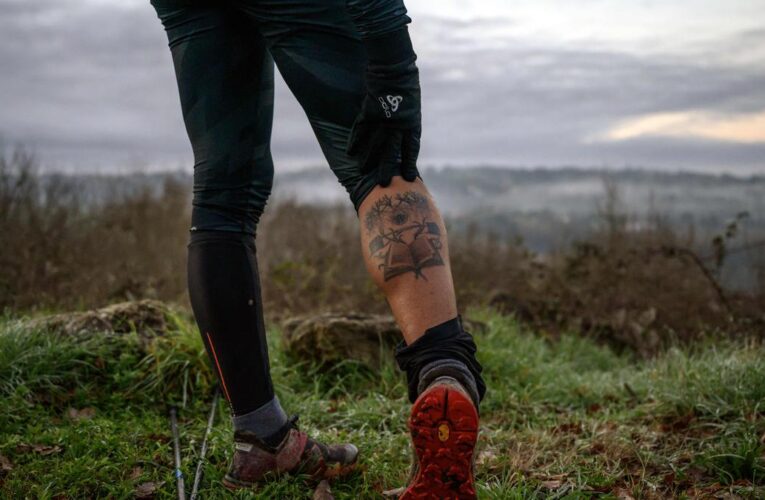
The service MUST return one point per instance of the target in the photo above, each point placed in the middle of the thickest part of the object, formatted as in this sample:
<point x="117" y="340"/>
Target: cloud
<point x="91" y="84"/>
<point x="746" y="128"/>
<point x="532" y="103"/>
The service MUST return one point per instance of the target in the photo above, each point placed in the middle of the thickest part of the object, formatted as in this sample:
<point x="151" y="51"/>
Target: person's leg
<point x="405" y="249"/>
<point x="225" y="81"/>
<point x="322" y="59"/>
<point x="406" y="252"/>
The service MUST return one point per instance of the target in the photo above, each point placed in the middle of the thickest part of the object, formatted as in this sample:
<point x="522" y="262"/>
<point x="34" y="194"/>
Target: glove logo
<point x="394" y="101"/>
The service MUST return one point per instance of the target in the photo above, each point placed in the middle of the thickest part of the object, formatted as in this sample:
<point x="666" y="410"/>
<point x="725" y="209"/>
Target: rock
<point x="332" y="338"/>
<point x="148" y="318"/>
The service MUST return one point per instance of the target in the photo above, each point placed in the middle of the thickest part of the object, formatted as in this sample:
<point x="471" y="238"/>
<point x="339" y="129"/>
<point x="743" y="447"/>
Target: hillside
<point x="563" y="419"/>
<point x="569" y="191"/>
<point x="545" y="208"/>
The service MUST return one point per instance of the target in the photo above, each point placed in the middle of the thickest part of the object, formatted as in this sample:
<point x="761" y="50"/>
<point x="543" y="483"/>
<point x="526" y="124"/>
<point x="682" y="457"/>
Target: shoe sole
<point x="444" y="429"/>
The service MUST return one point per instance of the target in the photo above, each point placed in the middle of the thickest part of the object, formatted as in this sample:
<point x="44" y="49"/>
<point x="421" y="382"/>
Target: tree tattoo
<point x="403" y="236"/>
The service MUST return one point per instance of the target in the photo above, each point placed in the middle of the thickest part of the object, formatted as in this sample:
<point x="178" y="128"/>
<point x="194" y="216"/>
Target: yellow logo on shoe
<point x="443" y="432"/>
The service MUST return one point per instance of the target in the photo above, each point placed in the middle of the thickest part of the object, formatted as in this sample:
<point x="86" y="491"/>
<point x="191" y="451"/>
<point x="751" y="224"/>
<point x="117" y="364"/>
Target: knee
<point x="230" y="195"/>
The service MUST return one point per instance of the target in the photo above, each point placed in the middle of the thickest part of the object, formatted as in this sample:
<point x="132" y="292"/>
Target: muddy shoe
<point x="297" y="453"/>
<point x="444" y="429"/>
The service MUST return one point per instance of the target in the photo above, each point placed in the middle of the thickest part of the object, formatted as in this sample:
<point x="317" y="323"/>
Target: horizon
<point x="315" y="168"/>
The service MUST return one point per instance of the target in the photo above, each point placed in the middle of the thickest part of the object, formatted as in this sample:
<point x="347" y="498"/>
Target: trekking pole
<point x="203" y="450"/>
<point x="177" y="451"/>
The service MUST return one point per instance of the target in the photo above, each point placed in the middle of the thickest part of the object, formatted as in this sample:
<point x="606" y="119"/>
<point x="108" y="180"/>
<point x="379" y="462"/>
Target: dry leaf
<point x="47" y="450"/>
<point x="323" y="492"/>
<point x="83" y="414"/>
<point x="553" y="482"/>
<point x="742" y="483"/>
<point x="597" y="448"/>
<point x="552" y="485"/>
<point x="42" y="449"/>
<point x="5" y="465"/>
<point x="623" y="494"/>
<point x="396" y="492"/>
<point x="487" y="456"/>
<point x="160" y="438"/>
<point x="147" y="490"/>
<point x="569" y="428"/>
<point x="554" y="477"/>
<point x="135" y="473"/>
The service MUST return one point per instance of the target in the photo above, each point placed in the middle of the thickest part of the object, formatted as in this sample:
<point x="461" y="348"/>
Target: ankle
<point x="268" y="422"/>
<point x="449" y="369"/>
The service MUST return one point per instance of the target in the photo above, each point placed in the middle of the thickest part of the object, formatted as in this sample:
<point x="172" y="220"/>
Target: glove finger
<point x="390" y="158"/>
<point x="385" y="174"/>
<point x="359" y="138"/>
<point x="410" y="151"/>
<point x="375" y="148"/>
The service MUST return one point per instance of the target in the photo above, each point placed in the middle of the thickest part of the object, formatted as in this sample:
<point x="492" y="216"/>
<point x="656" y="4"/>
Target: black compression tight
<point x="225" y="295"/>
<point x="224" y="53"/>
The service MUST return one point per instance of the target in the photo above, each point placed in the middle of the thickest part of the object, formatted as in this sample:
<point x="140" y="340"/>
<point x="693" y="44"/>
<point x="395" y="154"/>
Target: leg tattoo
<point x="403" y="236"/>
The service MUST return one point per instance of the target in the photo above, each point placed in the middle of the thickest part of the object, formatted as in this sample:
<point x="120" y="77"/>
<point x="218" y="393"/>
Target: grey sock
<point x="264" y="422"/>
<point x="448" y="368"/>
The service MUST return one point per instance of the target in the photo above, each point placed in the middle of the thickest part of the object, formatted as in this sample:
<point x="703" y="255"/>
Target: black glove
<point x="386" y="133"/>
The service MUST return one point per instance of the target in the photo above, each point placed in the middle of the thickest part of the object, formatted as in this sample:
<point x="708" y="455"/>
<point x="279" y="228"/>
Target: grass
<point x="562" y="419"/>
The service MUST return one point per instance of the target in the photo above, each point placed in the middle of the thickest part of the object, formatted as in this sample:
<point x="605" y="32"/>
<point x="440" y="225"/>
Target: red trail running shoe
<point x="444" y="429"/>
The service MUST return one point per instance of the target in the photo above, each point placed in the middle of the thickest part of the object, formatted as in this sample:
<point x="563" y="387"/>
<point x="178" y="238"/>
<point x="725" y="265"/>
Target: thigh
<point x="322" y="59"/>
<point x="225" y="81"/>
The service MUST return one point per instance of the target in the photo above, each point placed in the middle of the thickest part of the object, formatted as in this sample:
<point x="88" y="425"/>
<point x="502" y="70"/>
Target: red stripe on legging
<point x="220" y="372"/>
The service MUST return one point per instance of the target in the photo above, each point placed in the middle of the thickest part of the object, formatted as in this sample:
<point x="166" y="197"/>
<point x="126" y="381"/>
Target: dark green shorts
<point x="224" y="54"/>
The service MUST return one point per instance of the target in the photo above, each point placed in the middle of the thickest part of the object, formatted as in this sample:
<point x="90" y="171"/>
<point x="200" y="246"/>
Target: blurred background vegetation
<point x="625" y="274"/>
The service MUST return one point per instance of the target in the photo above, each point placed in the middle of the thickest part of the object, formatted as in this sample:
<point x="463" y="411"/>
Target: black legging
<point x="224" y="53"/>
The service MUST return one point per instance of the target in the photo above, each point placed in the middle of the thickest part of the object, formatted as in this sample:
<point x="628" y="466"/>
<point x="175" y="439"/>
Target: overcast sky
<point x="671" y="85"/>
